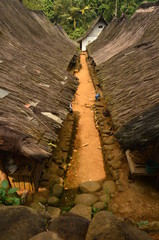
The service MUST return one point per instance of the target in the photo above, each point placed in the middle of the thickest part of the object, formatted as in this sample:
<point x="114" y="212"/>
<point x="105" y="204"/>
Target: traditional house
<point x="126" y="56"/>
<point x="35" y="91"/>
<point x="92" y="33"/>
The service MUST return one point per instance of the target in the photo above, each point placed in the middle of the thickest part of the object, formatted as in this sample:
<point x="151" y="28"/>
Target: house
<point x="92" y="33"/>
<point x="126" y="56"/>
<point x="35" y="91"/>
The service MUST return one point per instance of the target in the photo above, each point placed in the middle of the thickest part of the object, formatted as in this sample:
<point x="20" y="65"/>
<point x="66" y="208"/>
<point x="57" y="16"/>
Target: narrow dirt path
<point x="87" y="160"/>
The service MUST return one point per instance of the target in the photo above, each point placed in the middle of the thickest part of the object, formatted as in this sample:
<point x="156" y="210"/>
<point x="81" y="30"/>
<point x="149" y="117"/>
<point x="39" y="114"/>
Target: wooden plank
<point x="130" y="162"/>
<point x="138" y="170"/>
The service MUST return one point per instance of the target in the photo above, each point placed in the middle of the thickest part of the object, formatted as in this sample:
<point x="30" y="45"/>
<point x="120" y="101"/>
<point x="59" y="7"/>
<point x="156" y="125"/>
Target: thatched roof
<point x="100" y="18"/>
<point x="35" y="89"/>
<point x="126" y="55"/>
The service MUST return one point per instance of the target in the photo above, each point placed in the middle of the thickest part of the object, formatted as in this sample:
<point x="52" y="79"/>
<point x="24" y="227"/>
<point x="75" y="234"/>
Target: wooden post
<point x="3" y="176"/>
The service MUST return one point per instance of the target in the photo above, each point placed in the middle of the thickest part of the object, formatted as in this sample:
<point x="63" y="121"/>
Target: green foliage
<point x="7" y="195"/>
<point x="94" y="211"/>
<point x="142" y="223"/>
<point x="77" y="15"/>
<point x="33" y="4"/>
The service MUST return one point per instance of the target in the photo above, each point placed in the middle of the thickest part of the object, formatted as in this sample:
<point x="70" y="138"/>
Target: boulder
<point x="70" y="226"/>
<point x="105" y="225"/>
<point x="57" y="190"/>
<point x="83" y="211"/>
<point x="17" y="223"/>
<point x="53" y="212"/>
<point x="46" y="236"/>
<point x="53" y="201"/>
<point x="109" y="186"/>
<point x="100" y="206"/>
<point x="90" y="187"/>
<point x="86" y="199"/>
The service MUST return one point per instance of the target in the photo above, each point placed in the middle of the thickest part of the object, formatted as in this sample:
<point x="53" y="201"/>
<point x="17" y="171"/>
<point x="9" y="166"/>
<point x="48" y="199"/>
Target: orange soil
<point x="87" y="160"/>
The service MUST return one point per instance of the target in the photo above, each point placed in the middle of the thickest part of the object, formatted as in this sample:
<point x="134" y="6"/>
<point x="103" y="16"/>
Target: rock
<point x="100" y="205"/>
<point x="54" y="212"/>
<point x="114" y="173"/>
<point x="40" y="199"/>
<point x="153" y="226"/>
<point x="63" y="166"/>
<point x="90" y="187"/>
<point x="58" y="161"/>
<point x="53" y="201"/>
<point x="108" y="141"/>
<point x="83" y="211"/>
<point x="38" y="207"/>
<point x="109" y="186"/>
<point x="17" y="223"/>
<point x="46" y="236"/>
<point x="61" y="172"/>
<point x="115" y="164"/>
<point x="104" y="225"/>
<point x="85" y="199"/>
<point x="57" y="190"/>
<point x="69" y="226"/>
<point x="56" y="180"/>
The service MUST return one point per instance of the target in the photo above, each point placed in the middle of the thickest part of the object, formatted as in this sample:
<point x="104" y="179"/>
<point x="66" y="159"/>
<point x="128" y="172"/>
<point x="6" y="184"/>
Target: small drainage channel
<point x="86" y="163"/>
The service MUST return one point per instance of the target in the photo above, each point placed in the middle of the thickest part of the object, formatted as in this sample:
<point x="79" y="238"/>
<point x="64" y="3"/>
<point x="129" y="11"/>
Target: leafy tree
<point x="77" y="15"/>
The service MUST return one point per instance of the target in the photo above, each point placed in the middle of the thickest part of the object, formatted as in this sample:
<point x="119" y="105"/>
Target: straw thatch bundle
<point x="35" y="87"/>
<point x="126" y="56"/>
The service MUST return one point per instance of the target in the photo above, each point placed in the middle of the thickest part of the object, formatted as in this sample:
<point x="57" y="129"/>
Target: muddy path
<point x="87" y="160"/>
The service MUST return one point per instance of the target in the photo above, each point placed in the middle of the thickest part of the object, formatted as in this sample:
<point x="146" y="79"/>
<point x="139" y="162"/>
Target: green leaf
<point x="4" y="184"/>
<point x="12" y="190"/>
<point x="17" y="201"/>
<point x="13" y="201"/>
<point x="2" y="192"/>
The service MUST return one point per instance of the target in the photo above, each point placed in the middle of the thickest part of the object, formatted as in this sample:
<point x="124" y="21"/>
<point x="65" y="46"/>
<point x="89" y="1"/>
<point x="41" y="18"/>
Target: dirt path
<point x="87" y="160"/>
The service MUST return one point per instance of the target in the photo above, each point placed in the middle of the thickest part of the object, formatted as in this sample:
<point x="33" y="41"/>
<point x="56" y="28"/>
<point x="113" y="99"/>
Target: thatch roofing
<point x="35" y="89"/>
<point x="100" y="18"/>
<point x="126" y="55"/>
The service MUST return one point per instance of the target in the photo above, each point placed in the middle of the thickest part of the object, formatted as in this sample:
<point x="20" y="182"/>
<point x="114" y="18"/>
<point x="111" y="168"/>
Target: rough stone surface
<point x="86" y="199"/>
<point x="83" y="211"/>
<point x="108" y="141"/>
<point x="70" y="226"/>
<point x="153" y="226"/>
<point x="46" y="236"/>
<point x="57" y="190"/>
<point x="39" y="208"/>
<point x="54" y="212"/>
<point x="90" y="187"/>
<point x="109" y="186"/>
<point x="104" y="226"/>
<point x="53" y="201"/>
<point x="17" y="223"/>
<point x="56" y="179"/>
<point x="114" y="164"/>
<point x="100" y="205"/>
<point x="40" y="199"/>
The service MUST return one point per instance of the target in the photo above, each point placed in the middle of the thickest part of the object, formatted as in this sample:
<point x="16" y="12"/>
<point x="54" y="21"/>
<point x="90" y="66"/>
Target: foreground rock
<point x="105" y="226"/>
<point x="89" y="187"/>
<point x="17" y="223"/>
<point x="46" y="236"/>
<point x="69" y="226"/>
<point x="86" y="199"/>
<point x="83" y="211"/>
